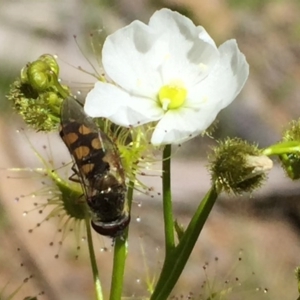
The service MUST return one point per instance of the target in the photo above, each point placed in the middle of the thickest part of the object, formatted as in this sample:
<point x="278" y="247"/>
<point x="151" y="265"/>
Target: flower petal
<point x="131" y="57"/>
<point x="224" y="82"/>
<point x="108" y="101"/>
<point x="191" y="52"/>
<point x="177" y="126"/>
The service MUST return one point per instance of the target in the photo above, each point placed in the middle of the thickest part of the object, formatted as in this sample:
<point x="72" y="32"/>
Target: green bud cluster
<point x="237" y="166"/>
<point x="37" y="95"/>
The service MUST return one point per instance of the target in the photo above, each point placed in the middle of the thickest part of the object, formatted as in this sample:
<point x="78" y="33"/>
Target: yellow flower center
<point x="171" y="96"/>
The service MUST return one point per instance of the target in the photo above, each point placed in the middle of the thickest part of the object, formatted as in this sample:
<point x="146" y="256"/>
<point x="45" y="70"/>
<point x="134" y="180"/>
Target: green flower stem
<point x="120" y="254"/>
<point x="64" y="93"/>
<point x="97" y="283"/>
<point x="177" y="259"/>
<point x="167" y="201"/>
<point x="283" y="148"/>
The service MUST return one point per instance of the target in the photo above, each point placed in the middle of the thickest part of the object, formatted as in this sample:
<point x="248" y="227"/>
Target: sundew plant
<point x="161" y="84"/>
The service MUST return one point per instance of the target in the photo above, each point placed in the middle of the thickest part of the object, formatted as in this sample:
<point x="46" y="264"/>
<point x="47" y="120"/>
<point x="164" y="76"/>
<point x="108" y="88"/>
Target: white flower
<point x="170" y="72"/>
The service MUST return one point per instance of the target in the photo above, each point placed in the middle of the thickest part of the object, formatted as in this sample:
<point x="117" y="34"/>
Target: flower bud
<point x="37" y="95"/>
<point x="51" y="62"/>
<point x="40" y="75"/>
<point x="237" y="166"/>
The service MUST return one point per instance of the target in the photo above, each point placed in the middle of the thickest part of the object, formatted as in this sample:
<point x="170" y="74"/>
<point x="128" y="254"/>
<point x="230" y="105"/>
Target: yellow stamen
<point x="172" y="96"/>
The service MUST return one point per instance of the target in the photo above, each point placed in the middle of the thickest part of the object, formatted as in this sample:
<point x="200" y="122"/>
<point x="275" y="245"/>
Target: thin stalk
<point x="97" y="283"/>
<point x="282" y="148"/>
<point x="175" y="263"/>
<point x="64" y="93"/>
<point x="167" y="201"/>
<point x="120" y="254"/>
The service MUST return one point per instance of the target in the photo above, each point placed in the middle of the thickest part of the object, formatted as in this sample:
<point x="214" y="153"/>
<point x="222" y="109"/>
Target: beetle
<point x="98" y="167"/>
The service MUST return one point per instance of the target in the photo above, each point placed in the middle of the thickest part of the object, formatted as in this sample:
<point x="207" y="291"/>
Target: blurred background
<point x="250" y="245"/>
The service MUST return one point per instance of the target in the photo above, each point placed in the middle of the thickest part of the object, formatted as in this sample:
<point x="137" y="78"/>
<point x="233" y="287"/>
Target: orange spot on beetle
<point x="70" y="138"/>
<point x="96" y="144"/>
<point x="84" y="130"/>
<point x="86" y="169"/>
<point x="81" y="152"/>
